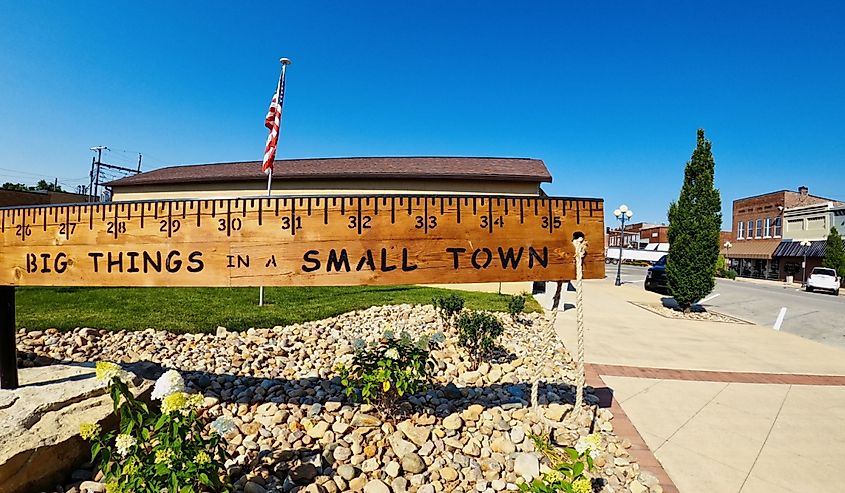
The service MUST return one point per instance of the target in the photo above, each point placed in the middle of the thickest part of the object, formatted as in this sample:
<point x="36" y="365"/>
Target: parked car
<point x="655" y="279"/>
<point x="824" y="279"/>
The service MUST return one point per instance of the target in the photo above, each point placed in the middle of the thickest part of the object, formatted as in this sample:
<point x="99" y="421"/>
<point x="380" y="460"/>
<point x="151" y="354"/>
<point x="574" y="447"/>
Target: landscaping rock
<point x="39" y="423"/>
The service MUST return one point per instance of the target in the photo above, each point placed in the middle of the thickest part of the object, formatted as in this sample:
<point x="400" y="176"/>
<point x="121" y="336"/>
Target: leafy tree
<point x="50" y="187"/>
<point x="695" y="220"/>
<point x="834" y="253"/>
<point x="41" y="185"/>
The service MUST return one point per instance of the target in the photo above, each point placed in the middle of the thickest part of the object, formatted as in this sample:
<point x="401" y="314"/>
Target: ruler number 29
<point x="499" y="221"/>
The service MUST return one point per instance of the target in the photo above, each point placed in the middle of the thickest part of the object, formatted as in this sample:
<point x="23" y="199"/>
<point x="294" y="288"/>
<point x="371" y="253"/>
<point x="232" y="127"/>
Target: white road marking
<point x="779" y="321"/>
<point x="708" y="298"/>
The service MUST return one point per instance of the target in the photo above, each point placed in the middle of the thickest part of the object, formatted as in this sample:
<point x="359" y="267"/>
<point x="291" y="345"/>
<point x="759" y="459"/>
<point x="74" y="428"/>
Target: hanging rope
<point x="580" y="251"/>
<point x="550" y="335"/>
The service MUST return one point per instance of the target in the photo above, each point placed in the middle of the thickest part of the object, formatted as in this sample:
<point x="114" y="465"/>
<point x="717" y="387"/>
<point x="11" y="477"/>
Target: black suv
<point x="655" y="279"/>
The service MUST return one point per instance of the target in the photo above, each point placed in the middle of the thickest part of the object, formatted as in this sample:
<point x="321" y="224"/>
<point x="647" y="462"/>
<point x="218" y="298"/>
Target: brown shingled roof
<point x="486" y="168"/>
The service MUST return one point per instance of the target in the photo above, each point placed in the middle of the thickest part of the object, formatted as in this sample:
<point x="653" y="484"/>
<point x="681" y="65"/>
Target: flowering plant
<point x="151" y="451"/>
<point x="389" y="369"/>
<point x="568" y="466"/>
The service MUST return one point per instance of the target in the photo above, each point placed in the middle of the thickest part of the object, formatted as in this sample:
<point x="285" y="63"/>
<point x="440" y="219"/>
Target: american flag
<point x="272" y="121"/>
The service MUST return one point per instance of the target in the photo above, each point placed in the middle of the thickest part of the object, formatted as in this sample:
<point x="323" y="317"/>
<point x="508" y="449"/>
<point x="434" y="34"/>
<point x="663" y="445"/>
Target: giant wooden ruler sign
<point x="291" y="241"/>
<point x="300" y="241"/>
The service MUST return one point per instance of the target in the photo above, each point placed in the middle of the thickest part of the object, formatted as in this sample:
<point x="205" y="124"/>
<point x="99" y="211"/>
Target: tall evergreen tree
<point x="834" y="253"/>
<point x="695" y="220"/>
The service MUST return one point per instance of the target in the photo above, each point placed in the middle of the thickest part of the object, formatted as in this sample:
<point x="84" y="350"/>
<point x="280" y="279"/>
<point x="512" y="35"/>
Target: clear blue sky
<point x="609" y="94"/>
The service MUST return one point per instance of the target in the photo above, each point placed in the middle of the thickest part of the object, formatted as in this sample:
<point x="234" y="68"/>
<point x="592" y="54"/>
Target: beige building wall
<point x="812" y="222"/>
<point x="322" y="187"/>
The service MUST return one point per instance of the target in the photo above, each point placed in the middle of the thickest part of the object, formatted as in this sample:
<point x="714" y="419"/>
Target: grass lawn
<point x="203" y="309"/>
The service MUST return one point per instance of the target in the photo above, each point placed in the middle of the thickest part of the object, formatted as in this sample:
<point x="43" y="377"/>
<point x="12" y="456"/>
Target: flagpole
<point x="285" y="62"/>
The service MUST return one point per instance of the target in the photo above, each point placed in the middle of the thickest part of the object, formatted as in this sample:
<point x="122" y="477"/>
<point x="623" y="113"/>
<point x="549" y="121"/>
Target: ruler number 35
<point x="555" y="222"/>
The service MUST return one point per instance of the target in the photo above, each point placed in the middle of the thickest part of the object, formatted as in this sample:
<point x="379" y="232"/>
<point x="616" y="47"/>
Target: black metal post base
<point x="8" y="348"/>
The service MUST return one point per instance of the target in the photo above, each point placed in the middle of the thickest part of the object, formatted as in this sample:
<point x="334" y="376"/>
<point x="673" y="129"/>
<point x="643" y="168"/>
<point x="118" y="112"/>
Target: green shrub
<point x="448" y="306"/>
<point x="568" y="467"/>
<point x="516" y="305"/>
<point x="386" y="371"/>
<point x="477" y="333"/>
<point x="171" y="450"/>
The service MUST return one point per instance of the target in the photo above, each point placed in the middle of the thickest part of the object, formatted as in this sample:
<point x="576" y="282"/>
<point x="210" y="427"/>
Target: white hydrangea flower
<point x="123" y="443"/>
<point x="169" y="383"/>
<point x="392" y="353"/>
<point x="223" y="426"/>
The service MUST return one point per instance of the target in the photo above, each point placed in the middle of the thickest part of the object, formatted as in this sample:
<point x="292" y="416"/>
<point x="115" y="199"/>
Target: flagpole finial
<point x="285" y="61"/>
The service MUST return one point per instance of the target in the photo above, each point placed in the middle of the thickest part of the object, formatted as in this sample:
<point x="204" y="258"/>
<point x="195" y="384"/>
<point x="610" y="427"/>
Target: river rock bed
<point x="297" y="431"/>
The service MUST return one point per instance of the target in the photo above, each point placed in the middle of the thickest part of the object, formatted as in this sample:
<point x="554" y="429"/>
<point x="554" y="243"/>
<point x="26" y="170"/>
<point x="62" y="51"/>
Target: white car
<point x="825" y="279"/>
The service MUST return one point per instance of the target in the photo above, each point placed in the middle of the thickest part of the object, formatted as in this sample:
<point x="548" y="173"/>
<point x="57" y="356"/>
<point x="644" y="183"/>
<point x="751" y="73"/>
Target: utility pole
<point x="95" y="172"/>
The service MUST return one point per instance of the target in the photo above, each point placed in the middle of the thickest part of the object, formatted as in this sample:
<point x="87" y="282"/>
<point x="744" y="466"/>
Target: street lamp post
<point x="804" y="245"/>
<point x="622" y="213"/>
<point x="728" y="246"/>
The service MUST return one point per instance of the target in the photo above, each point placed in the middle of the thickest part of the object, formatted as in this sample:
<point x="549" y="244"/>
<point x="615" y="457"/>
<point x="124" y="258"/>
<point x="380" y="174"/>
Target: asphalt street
<point x="816" y="316"/>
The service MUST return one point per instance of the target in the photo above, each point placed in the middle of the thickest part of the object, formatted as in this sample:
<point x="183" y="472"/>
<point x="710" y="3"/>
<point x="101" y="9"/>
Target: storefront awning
<point x="792" y="248"/>
<point x="753" y="249"/>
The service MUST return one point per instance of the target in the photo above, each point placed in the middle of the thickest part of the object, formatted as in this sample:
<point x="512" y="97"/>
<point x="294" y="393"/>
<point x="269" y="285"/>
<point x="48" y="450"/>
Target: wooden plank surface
<point x="300" y="241"/>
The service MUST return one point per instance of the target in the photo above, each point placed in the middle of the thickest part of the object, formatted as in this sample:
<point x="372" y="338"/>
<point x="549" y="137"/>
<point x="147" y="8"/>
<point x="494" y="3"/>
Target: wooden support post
<point x="8" y="350"/>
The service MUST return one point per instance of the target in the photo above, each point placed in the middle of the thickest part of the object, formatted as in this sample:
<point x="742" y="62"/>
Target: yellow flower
<point x="130" y="468"/>
<point x="202" y="457"/>
<point x="195" y="401"/>
<point x="554" y="476"/>
<point x="106" y="371"/>
<point x="582" y="485"/>
<point x="111" y="487"/>
<point x="181" y="402"/>
<point x="385" y="386"/>
<point x="163" y="456"/>
<point x="89" y="430"/>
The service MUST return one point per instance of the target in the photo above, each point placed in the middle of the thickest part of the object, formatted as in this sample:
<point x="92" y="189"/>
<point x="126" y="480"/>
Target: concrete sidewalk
<point x="716" y="432"/>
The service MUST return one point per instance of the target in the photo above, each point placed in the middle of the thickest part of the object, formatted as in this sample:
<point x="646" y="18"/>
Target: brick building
<point x="758" y="229"/>
<point x="637" y="235"/>
<point x="17" y="198"/>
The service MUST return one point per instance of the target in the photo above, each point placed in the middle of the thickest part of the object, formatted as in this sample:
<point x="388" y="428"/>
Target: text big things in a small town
<point x="301" y="241"/>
